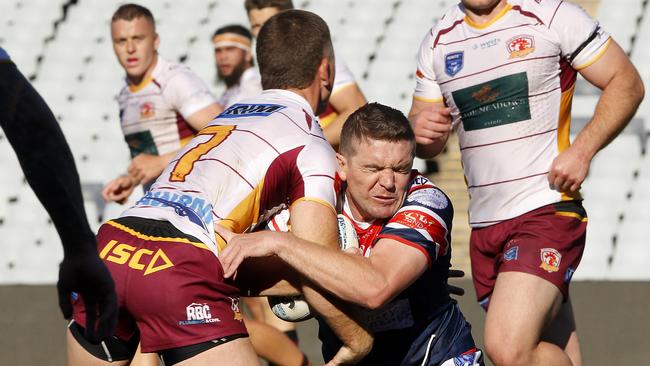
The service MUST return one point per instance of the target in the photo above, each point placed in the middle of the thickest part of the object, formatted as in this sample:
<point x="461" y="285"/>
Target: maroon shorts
<point x="170" y="286"/>
<point x="547" y="242"/>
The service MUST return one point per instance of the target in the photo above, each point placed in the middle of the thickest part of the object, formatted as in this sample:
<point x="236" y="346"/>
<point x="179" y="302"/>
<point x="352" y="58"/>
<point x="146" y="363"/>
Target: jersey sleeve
<point x="582" y="40"/>
<point x="426" y="87"/>
<point x="188" y="93"/>
<point x="4" y="56"/>
<point x="314" y="180"/>
<point x="423" y="222"/>
<point x="343" y="76"/>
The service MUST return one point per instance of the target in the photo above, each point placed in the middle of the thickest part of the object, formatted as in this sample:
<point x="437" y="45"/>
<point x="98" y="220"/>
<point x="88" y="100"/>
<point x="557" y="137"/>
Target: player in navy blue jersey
<point x="403" y="223"/>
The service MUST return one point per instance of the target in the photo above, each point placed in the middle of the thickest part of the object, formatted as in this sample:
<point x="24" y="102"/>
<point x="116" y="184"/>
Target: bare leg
<point x="234" y="353"/>
<point x="562" y="332"/>
<point x="521" y="307"/>
<point x="273" y="345"/>
<point x="78" y="356"/>
<point x="145" y="359"/>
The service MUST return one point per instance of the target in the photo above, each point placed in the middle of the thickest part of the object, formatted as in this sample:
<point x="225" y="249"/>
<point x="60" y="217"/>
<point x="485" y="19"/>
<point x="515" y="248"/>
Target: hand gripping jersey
<point x="509" y="84"/>
<point x="403" y="328"/>
<point x="255" y="159"/>
<point x="152" y="114"/>
<point x="249" y="86"/>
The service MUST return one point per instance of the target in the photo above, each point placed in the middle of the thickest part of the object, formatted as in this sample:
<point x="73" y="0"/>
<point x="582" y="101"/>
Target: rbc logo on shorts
<point x="198" y="314"/>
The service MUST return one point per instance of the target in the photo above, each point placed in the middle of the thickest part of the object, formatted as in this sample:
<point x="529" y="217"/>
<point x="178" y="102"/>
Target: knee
<point x="506" y="353"/>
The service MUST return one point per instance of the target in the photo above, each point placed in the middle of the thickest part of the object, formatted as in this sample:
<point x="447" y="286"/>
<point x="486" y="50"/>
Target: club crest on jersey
<point x="521" y="46"/>
<point x="454" y="62"/>
<point x="550" y="260"/>
<point x="250" y="110"/>
<point x="147" y="110"/>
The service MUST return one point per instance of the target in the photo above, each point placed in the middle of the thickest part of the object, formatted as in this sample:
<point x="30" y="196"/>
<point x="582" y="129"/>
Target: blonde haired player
<point x="162" y="105"/>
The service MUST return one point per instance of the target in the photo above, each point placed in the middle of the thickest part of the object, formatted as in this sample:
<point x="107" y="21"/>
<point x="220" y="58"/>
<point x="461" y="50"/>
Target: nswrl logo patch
<point x="454" y="62"/>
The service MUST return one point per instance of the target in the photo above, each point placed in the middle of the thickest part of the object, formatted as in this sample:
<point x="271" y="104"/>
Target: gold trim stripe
<point x="142" y="236"/>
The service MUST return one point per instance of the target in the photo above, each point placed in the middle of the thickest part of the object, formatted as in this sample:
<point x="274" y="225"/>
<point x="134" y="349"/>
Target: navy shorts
<point x="446" y="340"/>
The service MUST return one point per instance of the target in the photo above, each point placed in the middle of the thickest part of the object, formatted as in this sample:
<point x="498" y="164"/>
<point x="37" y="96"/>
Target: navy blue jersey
<point x="403" y="328"/>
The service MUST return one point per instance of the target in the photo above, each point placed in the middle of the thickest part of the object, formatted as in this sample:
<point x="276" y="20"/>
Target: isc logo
<point x="142" y="259"/>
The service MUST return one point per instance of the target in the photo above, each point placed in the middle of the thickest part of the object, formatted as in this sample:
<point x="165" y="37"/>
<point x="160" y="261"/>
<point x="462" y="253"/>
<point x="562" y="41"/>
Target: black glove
<point x="455" y="290"/>
<point x="87" y="275"/>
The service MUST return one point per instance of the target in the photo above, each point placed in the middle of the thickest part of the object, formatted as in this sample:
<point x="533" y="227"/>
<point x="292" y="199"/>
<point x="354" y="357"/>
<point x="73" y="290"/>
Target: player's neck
<point x="138" y="80"/>
<point x="482" y="17"/>
<point x="311" y="95"/>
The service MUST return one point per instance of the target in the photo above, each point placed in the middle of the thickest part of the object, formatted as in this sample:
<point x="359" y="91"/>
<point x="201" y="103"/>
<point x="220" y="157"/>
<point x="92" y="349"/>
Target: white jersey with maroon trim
<point x="255" y="159"/>
<point x="152" y="114"/>
<point x="249" y="86"/>
<point x="509" y="84"/>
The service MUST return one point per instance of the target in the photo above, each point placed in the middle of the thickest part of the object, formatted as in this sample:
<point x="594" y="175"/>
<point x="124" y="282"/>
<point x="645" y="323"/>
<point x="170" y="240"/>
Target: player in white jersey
<point x="254" y="159"/>
<point x="501" y="74"/>
<point x="346" y="95"/>
<point x="403" y="223"/>
<point x="234" y="61"/>
<point x="162" y="105"/>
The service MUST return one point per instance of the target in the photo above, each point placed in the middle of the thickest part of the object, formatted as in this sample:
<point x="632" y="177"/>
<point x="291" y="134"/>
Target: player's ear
<point x="343" y="166"/>
<point x="156" y="42"/>
<point x="249" y="57"/>
<point x="324" y="72"/>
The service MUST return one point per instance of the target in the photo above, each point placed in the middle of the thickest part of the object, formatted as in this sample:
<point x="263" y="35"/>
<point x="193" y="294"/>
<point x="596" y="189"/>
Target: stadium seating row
<point x="65" y="47"/>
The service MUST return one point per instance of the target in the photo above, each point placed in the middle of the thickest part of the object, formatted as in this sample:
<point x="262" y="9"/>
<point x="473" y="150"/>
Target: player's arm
<point x="622" y="93"/>
<point x="49" y="168"/>
<point x="313" y="225"/>
<point x="367" y="281"/>
<point x="345" y="100"/>
<point x="203" y="116"/>
<point x="430" y="119"/>
<point x="431" y="122"/>
<point x="316" y="223"/>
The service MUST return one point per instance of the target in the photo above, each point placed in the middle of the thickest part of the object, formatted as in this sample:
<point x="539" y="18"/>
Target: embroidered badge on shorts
<point x="454" y="63"/>
<point x="550" y="260"/>
<point x="511" y="254"/>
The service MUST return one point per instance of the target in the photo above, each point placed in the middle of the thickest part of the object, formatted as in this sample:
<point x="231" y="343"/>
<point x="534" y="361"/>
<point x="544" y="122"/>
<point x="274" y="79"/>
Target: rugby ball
<point x="347" y="235"/>
<point x="290" y="308"/>
<point x="295" y="308"/>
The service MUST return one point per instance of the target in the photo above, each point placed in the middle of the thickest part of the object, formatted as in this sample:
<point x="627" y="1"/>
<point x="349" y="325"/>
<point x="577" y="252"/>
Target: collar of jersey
<point x="348" y="212"/>
<point x="503" y="12"/>
<point x="148" y="79"/>
<point x="285" y="94"/>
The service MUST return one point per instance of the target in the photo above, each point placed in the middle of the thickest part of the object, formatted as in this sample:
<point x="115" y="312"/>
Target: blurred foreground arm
<point x="49" y="169"/>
